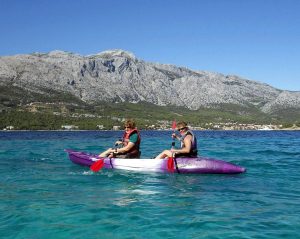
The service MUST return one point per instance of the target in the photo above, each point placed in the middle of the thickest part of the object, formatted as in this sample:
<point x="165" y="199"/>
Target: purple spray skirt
<point x="199" y="165"/>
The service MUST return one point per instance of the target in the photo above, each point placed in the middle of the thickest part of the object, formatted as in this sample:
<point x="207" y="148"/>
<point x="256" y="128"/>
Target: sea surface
<point x="44" y="195"/>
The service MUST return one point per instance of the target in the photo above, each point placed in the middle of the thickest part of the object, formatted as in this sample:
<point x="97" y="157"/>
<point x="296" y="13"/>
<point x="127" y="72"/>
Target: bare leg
<point x="165" y="153"/>
<point x="105" y="153"/>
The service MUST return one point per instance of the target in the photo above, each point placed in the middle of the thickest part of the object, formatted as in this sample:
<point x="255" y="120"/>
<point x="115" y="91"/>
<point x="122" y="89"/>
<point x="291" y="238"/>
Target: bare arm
<point x="187" y="145"/>
<point x="125" y="149"/>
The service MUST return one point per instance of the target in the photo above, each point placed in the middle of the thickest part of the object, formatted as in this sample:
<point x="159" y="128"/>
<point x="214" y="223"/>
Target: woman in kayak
<point x="130" y="143"/>
<point x="188" y="143"/>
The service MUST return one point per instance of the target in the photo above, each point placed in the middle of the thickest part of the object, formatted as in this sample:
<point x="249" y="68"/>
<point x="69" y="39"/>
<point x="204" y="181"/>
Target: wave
<point x="277" y="152"/>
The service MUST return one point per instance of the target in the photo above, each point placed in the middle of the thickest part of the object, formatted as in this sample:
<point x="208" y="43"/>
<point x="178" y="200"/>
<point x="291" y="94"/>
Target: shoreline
<point x="82" y="130"/>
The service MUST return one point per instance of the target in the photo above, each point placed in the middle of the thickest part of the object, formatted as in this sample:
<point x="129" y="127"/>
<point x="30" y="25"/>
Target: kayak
<point x="199" y="165"/>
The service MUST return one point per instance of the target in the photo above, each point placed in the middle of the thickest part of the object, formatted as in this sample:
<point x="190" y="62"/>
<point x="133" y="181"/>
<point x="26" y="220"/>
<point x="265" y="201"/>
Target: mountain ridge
<point x="119" y="76"/>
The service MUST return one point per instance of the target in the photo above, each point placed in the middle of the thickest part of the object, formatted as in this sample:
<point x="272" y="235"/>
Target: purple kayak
<point x="199" y="165"/>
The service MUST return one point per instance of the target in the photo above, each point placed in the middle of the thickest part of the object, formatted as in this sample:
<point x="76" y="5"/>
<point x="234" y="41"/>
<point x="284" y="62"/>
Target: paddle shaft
<point x="172" y="147"/>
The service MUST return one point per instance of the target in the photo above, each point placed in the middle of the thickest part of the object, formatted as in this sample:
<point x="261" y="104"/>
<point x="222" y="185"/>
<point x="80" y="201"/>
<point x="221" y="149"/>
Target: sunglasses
<point x="181" y="129"/>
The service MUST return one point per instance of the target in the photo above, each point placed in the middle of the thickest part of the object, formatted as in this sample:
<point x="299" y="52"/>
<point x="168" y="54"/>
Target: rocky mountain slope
<point x="118" y="76"/>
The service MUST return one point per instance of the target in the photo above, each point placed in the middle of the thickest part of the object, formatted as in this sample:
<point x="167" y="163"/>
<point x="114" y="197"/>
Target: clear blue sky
<point x="256" y="39"/>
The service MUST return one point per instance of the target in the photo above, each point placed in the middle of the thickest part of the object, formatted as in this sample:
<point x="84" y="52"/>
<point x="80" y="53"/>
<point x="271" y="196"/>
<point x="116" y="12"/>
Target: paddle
<point x="171" y="159"/>
<point x="95" y="167"/>
<point x="98" y="165"/>
<point x="170" y="164"/>
<point x="173" y="127"/>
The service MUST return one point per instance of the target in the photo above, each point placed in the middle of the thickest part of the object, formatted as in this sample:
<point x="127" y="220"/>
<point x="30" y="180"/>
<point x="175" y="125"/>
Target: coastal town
<point x="208" y="126"/>
<point x="60" y="109"/>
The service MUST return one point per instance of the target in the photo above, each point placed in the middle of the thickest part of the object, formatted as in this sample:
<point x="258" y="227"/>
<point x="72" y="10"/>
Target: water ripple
<point x="44" y="195"/>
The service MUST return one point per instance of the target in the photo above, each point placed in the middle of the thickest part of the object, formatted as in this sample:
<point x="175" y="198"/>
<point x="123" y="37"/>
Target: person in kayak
<point x="188" y="143"/>
<point x="130" y="143"/>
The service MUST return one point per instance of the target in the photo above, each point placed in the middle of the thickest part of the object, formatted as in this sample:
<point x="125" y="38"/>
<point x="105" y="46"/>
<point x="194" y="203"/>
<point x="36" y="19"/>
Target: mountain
<point x="119" y="76"/>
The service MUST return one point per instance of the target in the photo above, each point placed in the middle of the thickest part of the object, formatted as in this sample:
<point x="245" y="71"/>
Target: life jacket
<point x="193" y="152"/>
<point x="134" y="152"/>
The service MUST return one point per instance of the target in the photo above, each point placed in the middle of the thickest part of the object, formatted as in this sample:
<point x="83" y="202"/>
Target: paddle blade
<point x="174" y="125"/>
<point x="95" y="167"/>
<point x="170" y="165"/>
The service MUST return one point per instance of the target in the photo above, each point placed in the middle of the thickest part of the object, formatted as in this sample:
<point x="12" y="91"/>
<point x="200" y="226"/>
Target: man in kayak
<point x="188" y="143"/>
<point x="130" y="143"/>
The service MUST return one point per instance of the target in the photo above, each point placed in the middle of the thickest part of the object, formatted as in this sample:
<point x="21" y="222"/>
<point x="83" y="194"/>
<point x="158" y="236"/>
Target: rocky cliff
<point x="118" y="76"/>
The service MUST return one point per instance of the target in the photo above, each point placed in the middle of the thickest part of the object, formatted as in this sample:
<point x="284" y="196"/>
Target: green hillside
<point x="52" y="109"/>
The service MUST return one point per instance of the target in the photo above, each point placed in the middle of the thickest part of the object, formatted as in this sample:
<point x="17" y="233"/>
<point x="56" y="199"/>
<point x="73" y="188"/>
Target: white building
<point x="100" y="126"/>
<point x="10" y="127"/>
<point x="116" y="127"/>
<point x="69" y="127"/>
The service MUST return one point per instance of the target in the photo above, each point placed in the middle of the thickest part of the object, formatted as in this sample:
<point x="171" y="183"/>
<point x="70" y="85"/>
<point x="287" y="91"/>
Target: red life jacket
<point x="134" y="152"/>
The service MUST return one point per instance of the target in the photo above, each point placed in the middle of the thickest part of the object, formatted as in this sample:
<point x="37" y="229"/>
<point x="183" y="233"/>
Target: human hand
<point x="118" y="142"/>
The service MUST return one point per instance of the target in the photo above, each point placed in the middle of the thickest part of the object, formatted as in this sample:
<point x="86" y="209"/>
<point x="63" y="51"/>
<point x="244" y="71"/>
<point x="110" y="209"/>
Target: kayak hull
<point x="199" y="165"/>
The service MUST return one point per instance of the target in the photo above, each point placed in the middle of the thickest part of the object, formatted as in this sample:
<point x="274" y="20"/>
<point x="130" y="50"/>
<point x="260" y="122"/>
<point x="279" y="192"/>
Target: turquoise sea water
<point x="44" y="195"/>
